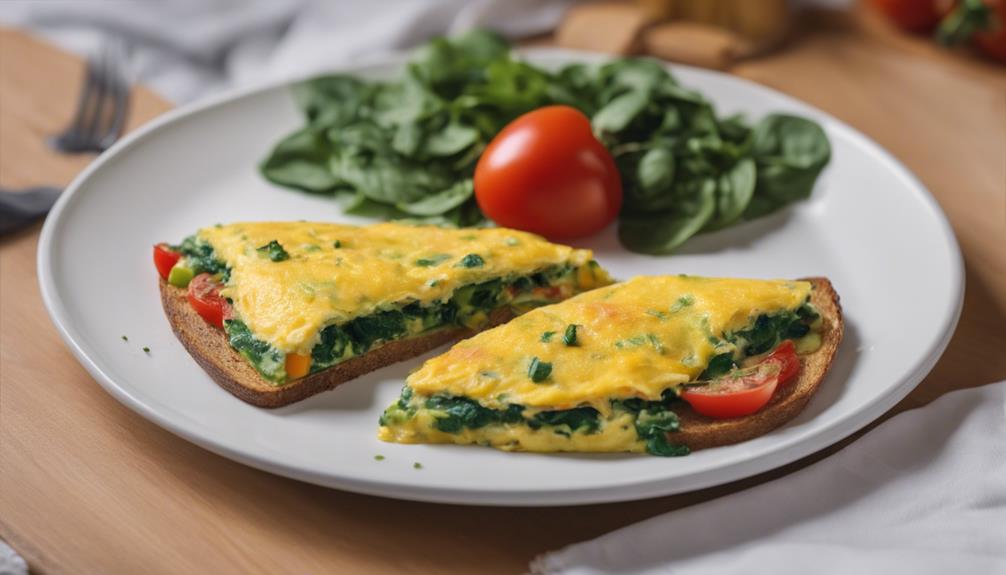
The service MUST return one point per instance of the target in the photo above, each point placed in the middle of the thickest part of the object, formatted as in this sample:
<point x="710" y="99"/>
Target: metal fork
<point x="97" y="124"/>
<point x="102" y="105"/>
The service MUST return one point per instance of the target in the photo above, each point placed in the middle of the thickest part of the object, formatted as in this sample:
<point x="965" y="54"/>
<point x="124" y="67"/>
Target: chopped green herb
<point x="379" y="457"/>
<point x="655" y="342"/>
<point x="124" y="338"/>
<point x="471" y="261"/>
<point x="547" y="336"/>
<point x="433" y="260"/>
<point x="274" y="251"/>
<point x="634" y="341"/>
<point x="656" y="313"/>
<point x="146" y="350"/>
<point x="417" y="465"/>
<point x="569" y="338"/>
<point x="539" y="370"/>
<point x="337" y="244"/>
<point x="683" y="302"/>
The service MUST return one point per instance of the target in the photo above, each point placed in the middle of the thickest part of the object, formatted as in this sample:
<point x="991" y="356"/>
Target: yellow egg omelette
<point x="599" y="372"/>
<point x="324" y="293"/>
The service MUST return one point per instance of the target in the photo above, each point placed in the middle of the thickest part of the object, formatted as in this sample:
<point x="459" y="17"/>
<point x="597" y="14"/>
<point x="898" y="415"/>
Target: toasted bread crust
<point x="211" y="350"/>
<point x="700" y="432"/>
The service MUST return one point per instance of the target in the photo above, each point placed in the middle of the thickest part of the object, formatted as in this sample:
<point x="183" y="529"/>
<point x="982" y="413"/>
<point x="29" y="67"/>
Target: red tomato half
<point x="785" y="357"/>
<point x="546" y="173"/>
<point x="205" y="298"/>
<point x="748" y="390"/>
<point x="165" y="259"/>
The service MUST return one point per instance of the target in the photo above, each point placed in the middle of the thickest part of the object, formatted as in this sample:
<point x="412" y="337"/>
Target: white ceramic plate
<point x="870" y="226"/>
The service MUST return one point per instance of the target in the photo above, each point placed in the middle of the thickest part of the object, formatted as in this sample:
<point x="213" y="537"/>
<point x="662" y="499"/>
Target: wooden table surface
<point x="87" y="486"/>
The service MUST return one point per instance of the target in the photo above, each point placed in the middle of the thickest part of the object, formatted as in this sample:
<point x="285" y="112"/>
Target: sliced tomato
<point x="164" y="259"/>
<point x="785" y="357"/>
<point x="205" y="298"/>
<point x="745" y="391"/>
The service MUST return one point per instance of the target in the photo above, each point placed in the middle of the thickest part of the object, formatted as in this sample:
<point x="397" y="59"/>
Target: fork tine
<point x="69" y="139"/>
<point x="102" y="104"/>
<point x="91" y="131"/>
<point x="119" y="82"/>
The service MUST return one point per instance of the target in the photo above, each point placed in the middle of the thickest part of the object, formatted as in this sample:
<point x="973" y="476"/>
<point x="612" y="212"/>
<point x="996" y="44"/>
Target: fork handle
<point x="22" y="207"/>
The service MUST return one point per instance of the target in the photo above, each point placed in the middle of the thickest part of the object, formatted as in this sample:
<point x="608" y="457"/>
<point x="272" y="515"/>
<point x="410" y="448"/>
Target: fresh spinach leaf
<point x="663" y="232"/>
<point x="440" y="202"/>
<point x="300" y="161"/>
<point x="734" y="190"/>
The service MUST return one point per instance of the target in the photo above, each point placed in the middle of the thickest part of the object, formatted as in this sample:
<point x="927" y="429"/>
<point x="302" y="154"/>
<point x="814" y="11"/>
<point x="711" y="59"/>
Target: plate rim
<point x="785" y="452"/>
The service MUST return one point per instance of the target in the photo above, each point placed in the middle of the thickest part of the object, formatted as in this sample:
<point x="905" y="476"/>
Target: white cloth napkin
<point x="185" y="49"/>
<point x="925" y="492"/>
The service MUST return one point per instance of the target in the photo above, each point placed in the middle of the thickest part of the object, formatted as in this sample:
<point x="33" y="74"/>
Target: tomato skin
<point x="546" y="173"/>
<point x="204" y="297"/>
<point x="735" y="404"/>
<point x="912" y="15"/>
<point x="740" y="395"/>
<point x="164" y="259"/>
<point x="785" y="356"/>
<point x="993" y="42"/>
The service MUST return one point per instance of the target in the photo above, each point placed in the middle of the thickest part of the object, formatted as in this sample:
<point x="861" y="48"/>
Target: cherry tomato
<point x="164" y="259"/>
<point x="982" y="22"/>
<point x="785" y="357"/>
<point x="913" y="15"/>
<point x="205" y="298"/>
<point x="747" y="390"/>
<point x="546" y="173"/>
<point x="992" y="41"/>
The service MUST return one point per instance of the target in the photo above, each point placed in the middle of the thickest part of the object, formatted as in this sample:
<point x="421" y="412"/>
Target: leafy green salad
<point x="407" y="148"/>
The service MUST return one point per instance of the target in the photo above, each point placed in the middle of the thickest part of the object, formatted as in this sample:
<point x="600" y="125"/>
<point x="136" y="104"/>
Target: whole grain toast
<point x="700" y="432"/>
<point x="212" y="351"/>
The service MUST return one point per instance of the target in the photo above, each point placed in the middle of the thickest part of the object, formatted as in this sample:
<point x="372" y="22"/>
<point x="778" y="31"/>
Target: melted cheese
<point x="615" y="434"/>
<point x="286" y="303"/>
<point x="634" y="339"/>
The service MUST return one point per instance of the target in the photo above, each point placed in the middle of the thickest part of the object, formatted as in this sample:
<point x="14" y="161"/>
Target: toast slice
<point x="278" y="311"/>
<point x="699" y="432"/>
<point x="210" y="348"/>
<point x="598" y="395"/>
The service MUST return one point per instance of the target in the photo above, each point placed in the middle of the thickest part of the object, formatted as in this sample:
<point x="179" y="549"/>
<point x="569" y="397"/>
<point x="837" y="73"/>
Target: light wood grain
<point x="86" y="486"/>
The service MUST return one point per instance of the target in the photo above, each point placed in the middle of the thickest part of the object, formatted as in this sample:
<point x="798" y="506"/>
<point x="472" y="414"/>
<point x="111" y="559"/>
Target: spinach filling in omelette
<point x="629" y="367"/>
<point x="296" y="298"/>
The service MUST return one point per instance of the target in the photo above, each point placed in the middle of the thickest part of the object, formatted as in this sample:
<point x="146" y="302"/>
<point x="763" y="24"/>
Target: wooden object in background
<point x="609" y="27"/>
<point x="87" y="486"/>
<point x="691" y="43"/>
<point x="707" y="33"/>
